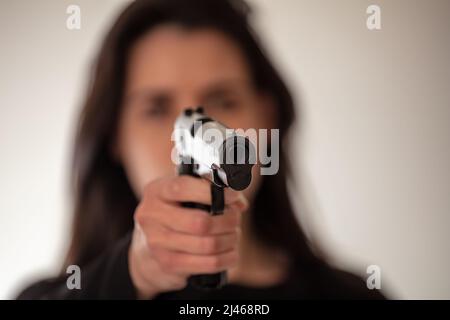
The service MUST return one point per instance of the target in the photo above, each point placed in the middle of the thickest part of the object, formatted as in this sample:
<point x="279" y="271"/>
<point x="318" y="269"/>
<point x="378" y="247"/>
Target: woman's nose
<point x="189" y="101"/>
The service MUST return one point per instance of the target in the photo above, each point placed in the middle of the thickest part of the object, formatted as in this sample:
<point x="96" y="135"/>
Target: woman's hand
<point x="171" y="242"/>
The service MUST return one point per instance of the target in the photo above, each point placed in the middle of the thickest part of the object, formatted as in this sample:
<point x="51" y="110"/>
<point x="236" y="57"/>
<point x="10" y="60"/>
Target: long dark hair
<point x="103" y="199"/>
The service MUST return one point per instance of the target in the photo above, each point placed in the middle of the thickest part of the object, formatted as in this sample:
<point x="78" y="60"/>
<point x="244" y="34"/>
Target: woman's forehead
<point x="171" y="56"/>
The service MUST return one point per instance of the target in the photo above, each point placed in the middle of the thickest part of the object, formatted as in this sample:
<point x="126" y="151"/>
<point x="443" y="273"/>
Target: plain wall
<point x="372" y="154"/>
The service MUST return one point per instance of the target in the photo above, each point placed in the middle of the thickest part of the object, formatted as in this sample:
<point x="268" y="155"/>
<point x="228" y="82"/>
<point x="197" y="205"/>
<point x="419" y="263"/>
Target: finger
<point x="184" y="263"/>
<point x="202" y="245"/>
<point x="190" y="189"/>
<point x="232" y="196"/>
<point x="241" y="204"/>
<point x="196" y="221"/>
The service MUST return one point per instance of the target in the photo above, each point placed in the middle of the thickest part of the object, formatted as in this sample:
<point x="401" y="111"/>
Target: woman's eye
<point x="156" y="106"/>
<point x="155" y="110"/>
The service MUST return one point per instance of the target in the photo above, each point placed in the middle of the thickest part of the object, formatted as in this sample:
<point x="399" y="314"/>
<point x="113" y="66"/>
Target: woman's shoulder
<point x="40" y="289"/>
<point x="104" y="277"/>
<point x="330" y="282"/>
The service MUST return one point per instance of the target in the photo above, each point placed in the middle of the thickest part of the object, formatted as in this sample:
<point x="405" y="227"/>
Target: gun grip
<point x="206" y="281"/>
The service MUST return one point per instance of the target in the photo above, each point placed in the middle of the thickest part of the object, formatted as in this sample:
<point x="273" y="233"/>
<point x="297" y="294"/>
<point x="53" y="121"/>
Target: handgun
<point x="208" y="149"/>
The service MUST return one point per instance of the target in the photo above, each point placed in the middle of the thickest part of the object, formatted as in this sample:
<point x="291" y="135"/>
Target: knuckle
<point x="175" y="186"/>
<point x="214" y="262"/>
<point x="201" y="225"/>
<point x="165" y="260"/>
<point x="211" y="245"/>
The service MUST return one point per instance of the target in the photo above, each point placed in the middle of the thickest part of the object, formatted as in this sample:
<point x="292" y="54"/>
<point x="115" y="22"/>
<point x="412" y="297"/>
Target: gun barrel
<point x="218" y="152"/>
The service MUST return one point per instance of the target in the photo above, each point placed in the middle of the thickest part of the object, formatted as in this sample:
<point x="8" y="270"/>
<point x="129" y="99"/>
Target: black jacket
<point x="107" y="277"/>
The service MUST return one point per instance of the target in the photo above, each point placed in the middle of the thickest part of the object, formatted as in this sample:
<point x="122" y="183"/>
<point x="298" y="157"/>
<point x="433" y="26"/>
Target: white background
<point x="372" y="156"/>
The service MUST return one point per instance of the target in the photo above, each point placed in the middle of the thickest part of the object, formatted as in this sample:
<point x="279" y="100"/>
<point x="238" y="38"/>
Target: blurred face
<point x="170" y="69"/>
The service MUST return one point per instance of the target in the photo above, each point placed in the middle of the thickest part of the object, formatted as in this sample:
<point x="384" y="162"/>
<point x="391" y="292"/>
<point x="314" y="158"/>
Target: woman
<point x="131" y="238"/>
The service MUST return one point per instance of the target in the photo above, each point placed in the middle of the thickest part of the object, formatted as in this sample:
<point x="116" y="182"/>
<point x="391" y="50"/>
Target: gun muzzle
<point x="220" y="154"/>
